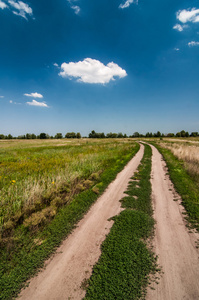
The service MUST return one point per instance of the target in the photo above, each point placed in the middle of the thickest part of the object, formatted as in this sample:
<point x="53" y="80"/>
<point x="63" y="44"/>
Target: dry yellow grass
<point x="188" y="153"/>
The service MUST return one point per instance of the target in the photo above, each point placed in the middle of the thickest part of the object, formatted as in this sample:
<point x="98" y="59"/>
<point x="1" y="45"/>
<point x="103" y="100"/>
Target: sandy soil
<point x="173" y="242"/>
<point x="73" y="261"/>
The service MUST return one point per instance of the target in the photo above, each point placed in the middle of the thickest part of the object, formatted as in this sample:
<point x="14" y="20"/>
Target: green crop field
<point x="45" y="188"/>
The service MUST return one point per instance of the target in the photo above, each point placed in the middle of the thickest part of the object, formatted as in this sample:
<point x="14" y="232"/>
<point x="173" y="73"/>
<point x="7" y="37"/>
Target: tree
<point x="194" y="134"/>
<point x="120" y="135"/>
<point x="78" y="135"/>
<point x="58" y="136"/>
<point x="92" y="135"/>
<point x="21" y="137"/>
<point x="178" y="134"/>
<point x="2" y="136"/>
<point x="183" y="133"/>
<point x="70" y="135"/>
<point x="111" y="135"/>
<point x="170" y="135"/>
<point x="43" y="136"/>
<point x="9" y="137"/>
<point x="136" y="134"/>
<point x="149" y="134"/>
<point x="186" y="134"/>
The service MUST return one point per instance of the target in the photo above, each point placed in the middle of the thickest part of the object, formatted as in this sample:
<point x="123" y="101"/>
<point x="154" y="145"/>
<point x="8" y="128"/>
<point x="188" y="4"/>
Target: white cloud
<point x="15" y="103"/>
<point x="2" y="5"/>
<point x="92" y="71"/>
<point x="179" y="27"/>
<point x="36" y="103"/>
<point x="76" y="8"/>
<point x="22" y="9"/>
<point x="56" y="65"/>
<point x="128" y="3"/>
<point x="1" y="96"/>
<point x="34" y="95"/>
<point x="193" y="43"/>
<point x="185" y="16"/>
<point x="176" y="49"/>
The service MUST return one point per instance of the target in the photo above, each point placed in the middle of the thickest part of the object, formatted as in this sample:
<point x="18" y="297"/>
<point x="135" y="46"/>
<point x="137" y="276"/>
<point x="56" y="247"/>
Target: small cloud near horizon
<point x="92" y="71"/>
<point x="36" y="103"/>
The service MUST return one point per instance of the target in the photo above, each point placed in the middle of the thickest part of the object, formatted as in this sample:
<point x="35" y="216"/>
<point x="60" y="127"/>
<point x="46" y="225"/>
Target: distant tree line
<point x="101" y="135"/>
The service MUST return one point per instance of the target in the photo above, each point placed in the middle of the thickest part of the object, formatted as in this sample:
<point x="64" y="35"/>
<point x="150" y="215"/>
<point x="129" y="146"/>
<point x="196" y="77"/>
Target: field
<point x="46" y="187"/>
<point x="187" y="152"/>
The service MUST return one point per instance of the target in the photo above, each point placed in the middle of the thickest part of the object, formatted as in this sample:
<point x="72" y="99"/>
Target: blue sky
<point x="108" y="66"/>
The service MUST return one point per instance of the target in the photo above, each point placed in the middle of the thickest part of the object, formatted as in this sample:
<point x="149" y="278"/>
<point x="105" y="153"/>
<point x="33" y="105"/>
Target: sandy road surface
<point x="173" y="243"/>
<point x="73" y="261"/>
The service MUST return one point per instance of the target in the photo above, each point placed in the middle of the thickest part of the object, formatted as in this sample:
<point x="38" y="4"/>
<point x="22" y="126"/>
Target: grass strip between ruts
<point x="28" y="256"/>
<point x="184" y="185"/>
<point x="123" y="269"/>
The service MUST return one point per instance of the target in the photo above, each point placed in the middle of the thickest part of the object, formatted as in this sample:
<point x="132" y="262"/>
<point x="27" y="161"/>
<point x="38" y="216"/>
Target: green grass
<point x="27" y="248"/>
<point x="184" y="184"/>
<point x="123" y="269"/>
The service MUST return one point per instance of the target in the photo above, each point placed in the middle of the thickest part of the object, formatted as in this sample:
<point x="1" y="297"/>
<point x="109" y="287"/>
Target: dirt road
<point x="173" y="243"/>
<point x="73" y="261"/>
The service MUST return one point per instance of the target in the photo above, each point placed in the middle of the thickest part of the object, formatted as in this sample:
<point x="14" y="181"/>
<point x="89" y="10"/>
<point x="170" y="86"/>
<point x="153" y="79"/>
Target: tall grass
<point x="188" y="154"/>
<point x="32" y="175"/>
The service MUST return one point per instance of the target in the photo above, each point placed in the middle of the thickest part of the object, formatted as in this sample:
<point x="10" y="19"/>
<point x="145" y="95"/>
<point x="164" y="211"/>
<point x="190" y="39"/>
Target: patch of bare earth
<point x="66" y="272"/>
<point x="173" y="243"/>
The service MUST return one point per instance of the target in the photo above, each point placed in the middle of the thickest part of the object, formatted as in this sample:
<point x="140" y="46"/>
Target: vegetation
<point x="188" y="153"/>
<point x="183" y="162"/>
<point x="47" y="189"/>
<point x="101" y="135"/>
<point x="123" y="269"/>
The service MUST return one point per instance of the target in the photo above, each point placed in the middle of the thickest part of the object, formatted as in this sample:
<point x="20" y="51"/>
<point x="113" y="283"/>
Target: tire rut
<point x="173" y="243"/>
<point x="72" y="264"/>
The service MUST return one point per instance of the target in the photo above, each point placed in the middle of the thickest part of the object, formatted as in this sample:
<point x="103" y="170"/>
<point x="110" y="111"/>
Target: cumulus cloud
<point x="179" y="27"/>
<point x="193" y="43"/>
<point x="36" y="103"/>
<point x="177" y="49"/>
<point x="56" y="65"/>
<point x="92" y="71"/>
<point x="2" y="5"/>
<point x="191" y="15"/>
<point x="34" y="95"/>
<point x="128" y="3"/>
<point x="20" y="8"/>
